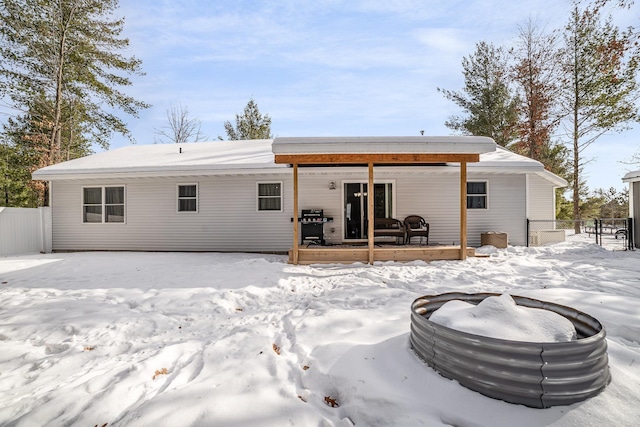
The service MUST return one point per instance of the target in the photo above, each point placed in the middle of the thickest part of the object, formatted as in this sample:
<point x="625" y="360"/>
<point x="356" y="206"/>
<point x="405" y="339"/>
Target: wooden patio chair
<point x="415" y="225"/>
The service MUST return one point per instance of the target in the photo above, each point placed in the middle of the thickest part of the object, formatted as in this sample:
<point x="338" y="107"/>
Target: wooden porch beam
<point x="364" y="159"/>
<point x="295" y="215"/>
<point x="463" y="210"/>
<point x="370" y="214"/>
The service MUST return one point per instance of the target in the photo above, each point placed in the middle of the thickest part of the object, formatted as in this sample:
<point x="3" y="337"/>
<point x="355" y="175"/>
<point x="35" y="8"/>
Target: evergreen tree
<point x="14" y="176"/>
<point x="250" y="125"/>
<point x="61" y="68"/>
<point x="599" y="86"/>
<point x="614" y="204"/>
<point x="489" y="103"/>
<point x="27" y="137"/>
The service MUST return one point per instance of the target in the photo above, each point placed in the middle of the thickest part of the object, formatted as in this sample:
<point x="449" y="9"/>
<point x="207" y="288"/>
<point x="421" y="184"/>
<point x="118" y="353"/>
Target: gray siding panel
<point x="227" y="217"/>
<point x="228" y="220"/>
<point x="436" y="197"/>
<point x="541" y="199"/>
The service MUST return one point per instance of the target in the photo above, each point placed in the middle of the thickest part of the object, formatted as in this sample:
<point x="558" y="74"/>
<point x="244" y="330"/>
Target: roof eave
<point x="383" y="145"/>
<point x="633" y="176"/>
<point x="42" y="175"/>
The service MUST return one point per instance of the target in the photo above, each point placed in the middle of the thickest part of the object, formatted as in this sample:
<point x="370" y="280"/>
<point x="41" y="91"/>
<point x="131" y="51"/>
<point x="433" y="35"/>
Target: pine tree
<point x="489" y="103"/>
<point x="250" y="125"/>
<point x="61" y="67"/>
<point x="599" y="95"/>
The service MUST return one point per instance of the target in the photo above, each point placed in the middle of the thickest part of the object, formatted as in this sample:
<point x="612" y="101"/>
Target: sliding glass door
<point x="355" y="207"/>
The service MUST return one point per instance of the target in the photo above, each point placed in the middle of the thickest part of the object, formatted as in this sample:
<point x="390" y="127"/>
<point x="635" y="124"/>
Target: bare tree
<point x="180" y="128"/>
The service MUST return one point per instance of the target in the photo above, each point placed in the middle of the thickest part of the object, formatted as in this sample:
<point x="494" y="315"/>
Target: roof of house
<point x="167" y="160"/>
<point x="257" y="156"/>
<point x="384" y="144"/>
<point x="632" y="176"/>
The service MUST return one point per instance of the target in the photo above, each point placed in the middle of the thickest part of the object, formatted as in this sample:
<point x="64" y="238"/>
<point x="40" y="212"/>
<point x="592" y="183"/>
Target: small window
<point x="270" y="196"/>
<point x="188" y="198"/>
<point x="114" y="204"/>
<point x="477" y="195"/>
<point x="103" y="204"/>
<point x="92" y="204"/>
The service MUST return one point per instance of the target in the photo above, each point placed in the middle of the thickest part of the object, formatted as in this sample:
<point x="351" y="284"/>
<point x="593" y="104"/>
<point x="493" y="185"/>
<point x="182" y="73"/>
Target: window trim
<point x="103" y="203"/>
<point x="485" y="194"/>
<point x="196" y="198"/>
<point x="258" y="197"/>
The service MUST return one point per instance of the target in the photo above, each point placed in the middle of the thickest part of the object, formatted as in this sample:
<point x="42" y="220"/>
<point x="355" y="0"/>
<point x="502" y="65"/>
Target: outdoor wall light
<point x="332" y="185"/>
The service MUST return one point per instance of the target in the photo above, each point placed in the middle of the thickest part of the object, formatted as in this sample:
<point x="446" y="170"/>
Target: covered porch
<point x="372" y="152"/>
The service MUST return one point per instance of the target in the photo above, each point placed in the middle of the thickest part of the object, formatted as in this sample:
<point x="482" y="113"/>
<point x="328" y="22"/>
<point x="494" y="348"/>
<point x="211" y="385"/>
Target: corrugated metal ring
<point x="538" y="375"/>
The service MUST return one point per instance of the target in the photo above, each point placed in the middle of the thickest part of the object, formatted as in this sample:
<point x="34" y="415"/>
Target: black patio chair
<point x="415" y="225"/>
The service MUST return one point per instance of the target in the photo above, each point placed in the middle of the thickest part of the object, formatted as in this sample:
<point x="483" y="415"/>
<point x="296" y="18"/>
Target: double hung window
<point x="103" y="204"/>
<point x="270" y="196"/>
<point x="187" y="197"/>
<point x="477" y="195"/>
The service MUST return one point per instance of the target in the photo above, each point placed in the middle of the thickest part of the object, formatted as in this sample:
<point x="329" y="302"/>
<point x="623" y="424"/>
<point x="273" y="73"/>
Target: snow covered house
<point x="248" y="196"/>
<point x="633" y="179"/>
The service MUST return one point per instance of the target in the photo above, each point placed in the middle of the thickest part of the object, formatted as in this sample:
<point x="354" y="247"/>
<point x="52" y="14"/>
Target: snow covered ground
<point x="207" y="339"/>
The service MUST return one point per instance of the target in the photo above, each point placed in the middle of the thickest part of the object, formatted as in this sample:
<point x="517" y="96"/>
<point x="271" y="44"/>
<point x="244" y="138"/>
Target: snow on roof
<point x="508" y="161"/>
<point x="257" y="156"/>
<point x="384" y="144"/>
<point x="167" y="160"/>
<point x="632" y="176"/>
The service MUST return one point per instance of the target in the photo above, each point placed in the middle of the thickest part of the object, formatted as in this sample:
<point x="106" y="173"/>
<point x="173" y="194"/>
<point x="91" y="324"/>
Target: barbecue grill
<point x="312" y="226"/>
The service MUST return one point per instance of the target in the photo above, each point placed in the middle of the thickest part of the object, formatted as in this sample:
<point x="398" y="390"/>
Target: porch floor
<point x="346" y="254"/>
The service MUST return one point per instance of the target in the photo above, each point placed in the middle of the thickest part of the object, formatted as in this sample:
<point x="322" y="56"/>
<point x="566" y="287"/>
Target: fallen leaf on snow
<point x="276" y="349"/>
<point x="162" y="371"/>
<point x="331" y="401"/>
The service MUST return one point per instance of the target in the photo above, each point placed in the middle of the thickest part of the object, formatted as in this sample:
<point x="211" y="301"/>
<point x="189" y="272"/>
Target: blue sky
<point x="328" y="67"/>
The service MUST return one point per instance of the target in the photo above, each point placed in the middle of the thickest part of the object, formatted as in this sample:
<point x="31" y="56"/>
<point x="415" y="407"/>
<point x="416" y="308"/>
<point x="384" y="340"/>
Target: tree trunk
<point x="576" y="154"/>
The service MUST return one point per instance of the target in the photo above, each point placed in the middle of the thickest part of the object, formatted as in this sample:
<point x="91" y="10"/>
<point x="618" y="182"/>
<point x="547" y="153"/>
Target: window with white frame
<point x="270" y="196"/>
<point x="477" y="195"/>
<point x="187" y="197"/>
<point x="103" y="204"/>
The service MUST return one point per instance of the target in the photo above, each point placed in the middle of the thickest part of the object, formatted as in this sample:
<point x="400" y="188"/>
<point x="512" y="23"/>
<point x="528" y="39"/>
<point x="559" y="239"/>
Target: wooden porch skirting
<point x="347" y="255"/>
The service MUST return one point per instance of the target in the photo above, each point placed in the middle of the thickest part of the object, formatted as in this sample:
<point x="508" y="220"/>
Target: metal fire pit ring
<point x="539" y="375"/>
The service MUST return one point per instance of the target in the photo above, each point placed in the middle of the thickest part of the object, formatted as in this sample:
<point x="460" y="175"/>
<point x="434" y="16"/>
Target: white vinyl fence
<point x="25" y="230"/>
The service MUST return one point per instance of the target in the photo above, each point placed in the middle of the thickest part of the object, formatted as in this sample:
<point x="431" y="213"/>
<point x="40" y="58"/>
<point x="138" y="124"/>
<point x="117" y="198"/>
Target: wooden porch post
<point x="295" y="214"/>
<point x="370" y="214"/>
<point x="463" y="210"/>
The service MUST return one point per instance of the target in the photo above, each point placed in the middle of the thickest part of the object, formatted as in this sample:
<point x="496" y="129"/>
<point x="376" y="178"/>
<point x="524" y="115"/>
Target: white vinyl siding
<point x="227" y="219"/>
<point x="540" y="201"/>
<point x="507" y="213"/>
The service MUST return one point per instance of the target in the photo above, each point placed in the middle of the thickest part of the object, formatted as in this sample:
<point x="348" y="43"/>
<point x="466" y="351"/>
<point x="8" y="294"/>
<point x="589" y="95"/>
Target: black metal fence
<point x="611" y="233"/>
